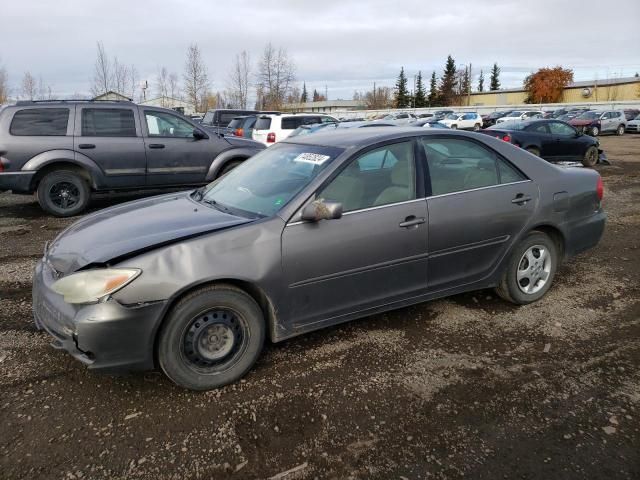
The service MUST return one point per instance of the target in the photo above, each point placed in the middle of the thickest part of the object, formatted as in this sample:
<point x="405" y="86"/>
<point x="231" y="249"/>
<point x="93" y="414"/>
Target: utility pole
<point x="326" y="93"/>
<point x="374" y="95"/>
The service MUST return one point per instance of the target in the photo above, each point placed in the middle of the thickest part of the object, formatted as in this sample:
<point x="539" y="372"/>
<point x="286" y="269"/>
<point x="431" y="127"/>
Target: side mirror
<point x="321" y="210"/>
<point x="199" y="135"/>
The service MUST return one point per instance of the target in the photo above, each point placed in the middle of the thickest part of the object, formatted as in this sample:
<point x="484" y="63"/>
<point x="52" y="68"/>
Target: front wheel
<point x="590" y="157"/>
<point x="454" y="127"/>
<point x="211" y="338"/>
<point x="63" y="193"/>
<point x="533" y="151"/>
<point x="530" y="269"/>
<point x="476" y="127"/>
<point x="620" y="130"/>
<point x="595" y="131"/>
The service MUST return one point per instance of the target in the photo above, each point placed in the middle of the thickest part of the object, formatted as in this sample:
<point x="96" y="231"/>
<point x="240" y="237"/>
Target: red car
<point x="595" y="122"/>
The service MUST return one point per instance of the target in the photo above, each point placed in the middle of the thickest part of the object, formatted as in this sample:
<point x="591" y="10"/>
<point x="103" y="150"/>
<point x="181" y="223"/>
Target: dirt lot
<point x="468" y="386"/>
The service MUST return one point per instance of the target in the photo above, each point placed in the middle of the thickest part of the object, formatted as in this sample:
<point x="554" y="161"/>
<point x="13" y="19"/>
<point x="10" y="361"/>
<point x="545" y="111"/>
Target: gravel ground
<point x="469" y="386"/>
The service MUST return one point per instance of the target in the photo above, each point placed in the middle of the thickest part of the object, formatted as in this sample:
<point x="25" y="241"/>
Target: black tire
<point x="620" y="130"/>
<point x="476" y="127"/>
<point x="511" y="288"/>
<point x="590" y="157"/>
<point x="191" y="359"/>
<point x="228" y="167"/>
<point x="534" y="151"/>
<point x="454" y="127"/>
<point x="595" y="131"/>
<point x="63" y="193"/>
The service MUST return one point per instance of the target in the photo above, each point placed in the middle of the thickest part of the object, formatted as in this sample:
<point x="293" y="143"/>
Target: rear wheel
<point x="63" y="193"/>
<point x="476" y="127"/>
<point x="590" y="157"/>
<point x="534" y="151"/>
<point x="620" y="130"/>
<point x="228" y="167"/>
<point x="530" y="269"/>
<point x="454" y="127"/>
<point x="212" y="337"/>
<point x="595" y="131"/>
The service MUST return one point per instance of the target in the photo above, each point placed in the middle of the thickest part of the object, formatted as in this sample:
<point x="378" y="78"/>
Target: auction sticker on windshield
<point x="314" y="158"/>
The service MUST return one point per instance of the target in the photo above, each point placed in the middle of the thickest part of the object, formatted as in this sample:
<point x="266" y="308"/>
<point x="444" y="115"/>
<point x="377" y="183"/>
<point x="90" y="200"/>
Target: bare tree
<point x="133" y="82"/>
<point x="29" y="88"/>
<point x="162" y="85"/>
<point x="4" y="85"/>
<point x="238" y="82"/>
<point x="102" y="76"/>
<point x="196" y="78"/>
<point x="120" y="77"/>
<point x="173" y="87"/>
<point x="276" y="73"/>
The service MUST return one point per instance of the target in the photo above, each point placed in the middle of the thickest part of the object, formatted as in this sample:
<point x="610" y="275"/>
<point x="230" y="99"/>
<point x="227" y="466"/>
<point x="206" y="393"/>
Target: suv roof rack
<point x="87" y="100"/>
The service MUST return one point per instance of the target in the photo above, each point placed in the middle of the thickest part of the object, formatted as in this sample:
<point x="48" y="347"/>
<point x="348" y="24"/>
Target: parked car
<point x="242" y="126"/>
<point x="463" y="121"/>
<point x="634" y="125"/>
<point x="425" y="115"/>
<point x="631" y="113"/>
<point x="520" y="115"/>
<point x="398" y="118"/>
<point x="304" y="235"/>
<point x="221" y="117"/>
<point x="596" y="122"/>
<point x="491" y="119"/>
<point x="440" y="114"/>
<point x="552" y="140"/>
<point x="573" y="113"/>
<point x="272" y="128"/>
<point x="428" y="123"/>
<point x="65" y="150"/>
<point x="316" y="127"/>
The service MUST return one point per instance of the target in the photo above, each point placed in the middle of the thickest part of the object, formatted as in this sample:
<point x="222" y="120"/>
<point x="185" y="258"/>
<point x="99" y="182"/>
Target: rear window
<point x="262" y="123"/>
<point x="108" y="122"/>
<point x="44" y="122"/>
<point x="236" y="123"/>
<point x="208" y="118"/>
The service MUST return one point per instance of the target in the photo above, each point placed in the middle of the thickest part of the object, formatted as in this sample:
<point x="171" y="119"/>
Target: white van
<point x="272" y="128"/>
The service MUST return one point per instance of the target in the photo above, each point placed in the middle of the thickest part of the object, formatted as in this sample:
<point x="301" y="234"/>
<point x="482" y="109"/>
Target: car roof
<point x="361" y="137"/>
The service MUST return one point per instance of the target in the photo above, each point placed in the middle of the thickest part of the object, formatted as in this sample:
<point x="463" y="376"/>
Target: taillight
<point x="271" y="137"/>
<point x="506" y="138"/>
<point x="600" y="188"/>
<point x="1" y="166"/>
<point x="238" y="132"/>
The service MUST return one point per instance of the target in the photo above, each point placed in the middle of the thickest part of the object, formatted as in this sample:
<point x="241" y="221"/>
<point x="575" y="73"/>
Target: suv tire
<point x="211" y="338"/>
<point x="530" y="269"/>
<point x="590" y="157"/>
<point x="63" y="193"/>
<point x="620" y="130"/>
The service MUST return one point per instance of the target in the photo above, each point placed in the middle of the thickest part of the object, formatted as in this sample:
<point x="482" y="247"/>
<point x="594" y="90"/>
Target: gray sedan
<point x="311" y="232"/>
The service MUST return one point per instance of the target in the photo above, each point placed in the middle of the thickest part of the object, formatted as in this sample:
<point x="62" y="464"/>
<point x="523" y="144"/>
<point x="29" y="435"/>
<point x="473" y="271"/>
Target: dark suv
<point x="64" y="150"/>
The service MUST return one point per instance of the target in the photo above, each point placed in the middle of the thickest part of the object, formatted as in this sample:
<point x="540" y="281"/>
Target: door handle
<point x="520" y="199"/>
<point x="156" y="145"/>
<point x="411" y="221"/>
<point x="86" y="145"/>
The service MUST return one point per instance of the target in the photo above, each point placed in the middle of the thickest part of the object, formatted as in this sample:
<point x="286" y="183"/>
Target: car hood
<point x="244" y="142"/>
<point x="134" y="227"/>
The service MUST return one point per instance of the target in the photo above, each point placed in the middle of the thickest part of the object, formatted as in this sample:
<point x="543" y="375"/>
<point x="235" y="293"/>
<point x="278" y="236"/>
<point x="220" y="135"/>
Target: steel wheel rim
<point x="64" y="195"/>
<point x="534" y="269"/>
<point x="213" y="340"/>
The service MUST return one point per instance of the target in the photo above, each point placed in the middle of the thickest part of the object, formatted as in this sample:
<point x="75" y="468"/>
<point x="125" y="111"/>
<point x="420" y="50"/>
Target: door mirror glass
<point x="321" y="210"/>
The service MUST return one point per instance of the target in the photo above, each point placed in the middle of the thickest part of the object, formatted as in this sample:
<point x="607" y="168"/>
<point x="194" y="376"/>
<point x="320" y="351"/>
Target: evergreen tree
<point x="448" y="83"/>
<point x="401" y="93"/>
<point x="420" y="96"/>
<point x="495" y="78"/>
<point x="481" y="82"/>
<point x="465" y="84"/>
<point x="433" y="91"/>
<point x="316" y="95"/>
<point x="304" y="98"/>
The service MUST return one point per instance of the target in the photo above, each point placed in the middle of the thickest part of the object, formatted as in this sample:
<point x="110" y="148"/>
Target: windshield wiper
<point x="217" y="205"/>
<point x="198" y="193"/>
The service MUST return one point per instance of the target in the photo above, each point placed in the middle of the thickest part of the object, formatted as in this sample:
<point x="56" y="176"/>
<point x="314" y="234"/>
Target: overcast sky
<point x="343" y="44"/>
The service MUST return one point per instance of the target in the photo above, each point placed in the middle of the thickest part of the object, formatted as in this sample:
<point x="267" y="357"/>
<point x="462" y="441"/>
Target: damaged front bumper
<point x="106" y="336"/>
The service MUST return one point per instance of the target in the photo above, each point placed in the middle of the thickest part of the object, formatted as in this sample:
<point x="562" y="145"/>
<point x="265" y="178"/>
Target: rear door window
<point x="291" y="123"/>
<point x="108" y="122"/>
<point x="45" y="122"/>
<point x="262" y="123"/>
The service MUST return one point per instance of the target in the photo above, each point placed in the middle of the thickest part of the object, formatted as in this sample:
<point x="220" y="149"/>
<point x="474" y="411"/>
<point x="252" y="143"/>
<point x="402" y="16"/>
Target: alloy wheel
<point x="534" y="269"/>
<point x="64" y="195"/>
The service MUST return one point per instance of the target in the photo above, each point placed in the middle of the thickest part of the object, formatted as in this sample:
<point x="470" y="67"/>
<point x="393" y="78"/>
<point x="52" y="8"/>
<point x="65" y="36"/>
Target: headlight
<point x="92" y="285"/>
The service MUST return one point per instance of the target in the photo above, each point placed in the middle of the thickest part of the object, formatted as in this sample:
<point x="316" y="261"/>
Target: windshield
<point x="266" y="182"/>
<point x="514" y="114"/>
<point x="208" y="118"/>
<point x="236" y="123"/>
<point x="637" y="117"/>
<point x="589" y="115"/>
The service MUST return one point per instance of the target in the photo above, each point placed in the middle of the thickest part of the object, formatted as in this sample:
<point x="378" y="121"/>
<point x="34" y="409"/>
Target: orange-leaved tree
<point x="547" y="84"/>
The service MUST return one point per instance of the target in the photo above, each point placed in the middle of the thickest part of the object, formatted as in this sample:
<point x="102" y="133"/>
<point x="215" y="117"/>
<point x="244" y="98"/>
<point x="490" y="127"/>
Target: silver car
<point x="314" y="231"/>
